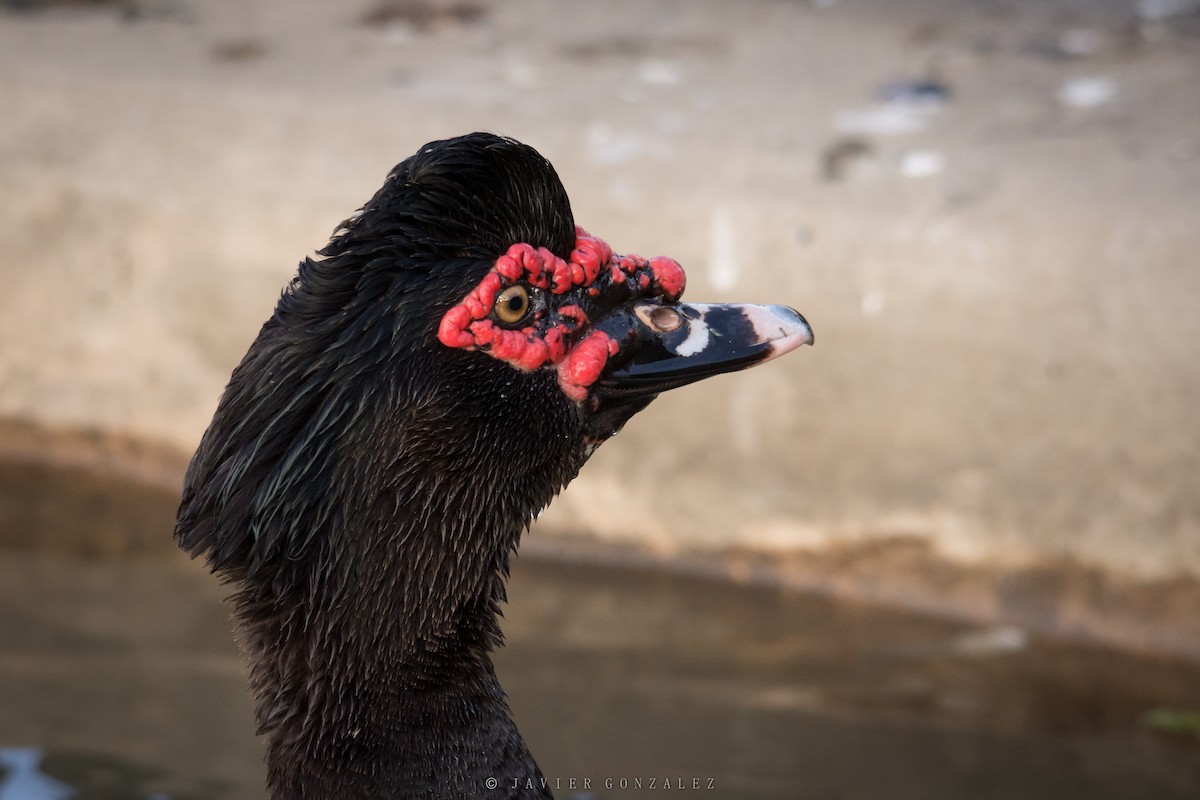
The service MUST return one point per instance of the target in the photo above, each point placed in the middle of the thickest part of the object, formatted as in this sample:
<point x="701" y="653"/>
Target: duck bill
<point x="665" y="346"/>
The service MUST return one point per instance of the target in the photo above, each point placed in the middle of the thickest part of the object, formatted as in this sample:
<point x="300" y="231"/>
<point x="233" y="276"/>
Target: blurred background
<point x="952" y="550"/>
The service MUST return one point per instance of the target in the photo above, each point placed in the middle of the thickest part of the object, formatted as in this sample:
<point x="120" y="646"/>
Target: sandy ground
<point x="988" y="211"/>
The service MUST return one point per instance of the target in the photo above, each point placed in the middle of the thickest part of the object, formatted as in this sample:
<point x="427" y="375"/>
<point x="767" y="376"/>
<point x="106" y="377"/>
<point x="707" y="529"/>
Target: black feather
<point x="363" y="487"/>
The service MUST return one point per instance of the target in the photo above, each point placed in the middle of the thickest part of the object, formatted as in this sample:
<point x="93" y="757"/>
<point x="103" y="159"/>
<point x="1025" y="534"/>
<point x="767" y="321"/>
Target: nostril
<point x="665" y="319"/>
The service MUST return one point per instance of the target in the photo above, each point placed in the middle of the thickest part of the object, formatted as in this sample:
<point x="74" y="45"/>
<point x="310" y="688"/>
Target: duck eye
<point x="512" y="305"/>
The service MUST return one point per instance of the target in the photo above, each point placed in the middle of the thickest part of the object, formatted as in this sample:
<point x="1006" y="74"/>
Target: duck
<point x="427" y="383"/>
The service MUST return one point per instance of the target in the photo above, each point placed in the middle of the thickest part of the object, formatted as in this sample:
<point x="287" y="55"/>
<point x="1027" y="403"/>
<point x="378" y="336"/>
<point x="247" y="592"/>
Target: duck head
<point x="612" y="327"/>
<point x="423" y="389"/>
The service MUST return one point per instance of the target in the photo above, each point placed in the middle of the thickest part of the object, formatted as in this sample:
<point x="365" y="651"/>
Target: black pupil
<point x="516" y="303"/>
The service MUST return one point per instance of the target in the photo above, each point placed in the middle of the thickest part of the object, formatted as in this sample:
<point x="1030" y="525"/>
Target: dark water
<point x="119" y="679"/>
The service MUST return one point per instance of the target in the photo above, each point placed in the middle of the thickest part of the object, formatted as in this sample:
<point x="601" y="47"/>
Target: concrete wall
<point x="999" y="415"/>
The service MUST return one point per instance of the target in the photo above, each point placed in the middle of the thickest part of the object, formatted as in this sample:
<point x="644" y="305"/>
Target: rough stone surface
<point x="1002" y="277"/>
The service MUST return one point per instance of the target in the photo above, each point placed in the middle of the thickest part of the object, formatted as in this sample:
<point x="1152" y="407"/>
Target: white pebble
<point x="922" y="163"/>
<point x="1087" y="92"/>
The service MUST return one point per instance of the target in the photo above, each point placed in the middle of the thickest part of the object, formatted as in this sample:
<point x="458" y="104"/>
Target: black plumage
<point x="363" y="487"/>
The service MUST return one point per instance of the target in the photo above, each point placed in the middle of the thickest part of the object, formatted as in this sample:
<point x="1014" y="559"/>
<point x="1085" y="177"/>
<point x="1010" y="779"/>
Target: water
<point x="119" y="679"/>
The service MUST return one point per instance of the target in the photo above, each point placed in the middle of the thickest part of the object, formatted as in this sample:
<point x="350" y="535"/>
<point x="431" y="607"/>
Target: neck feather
<point x="370" y="655"/>
<point x="367" y="520"/>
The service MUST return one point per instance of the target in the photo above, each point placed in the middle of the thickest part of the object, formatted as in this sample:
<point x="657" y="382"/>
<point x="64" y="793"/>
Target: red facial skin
<point x="561" y="336"/>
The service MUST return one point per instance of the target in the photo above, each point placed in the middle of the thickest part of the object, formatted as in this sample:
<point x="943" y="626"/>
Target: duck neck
<point x="376" y="680"/>
<point x="371" y="561"/>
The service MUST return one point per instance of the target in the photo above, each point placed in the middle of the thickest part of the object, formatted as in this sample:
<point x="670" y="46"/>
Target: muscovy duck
<point x="423" y="389"/>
